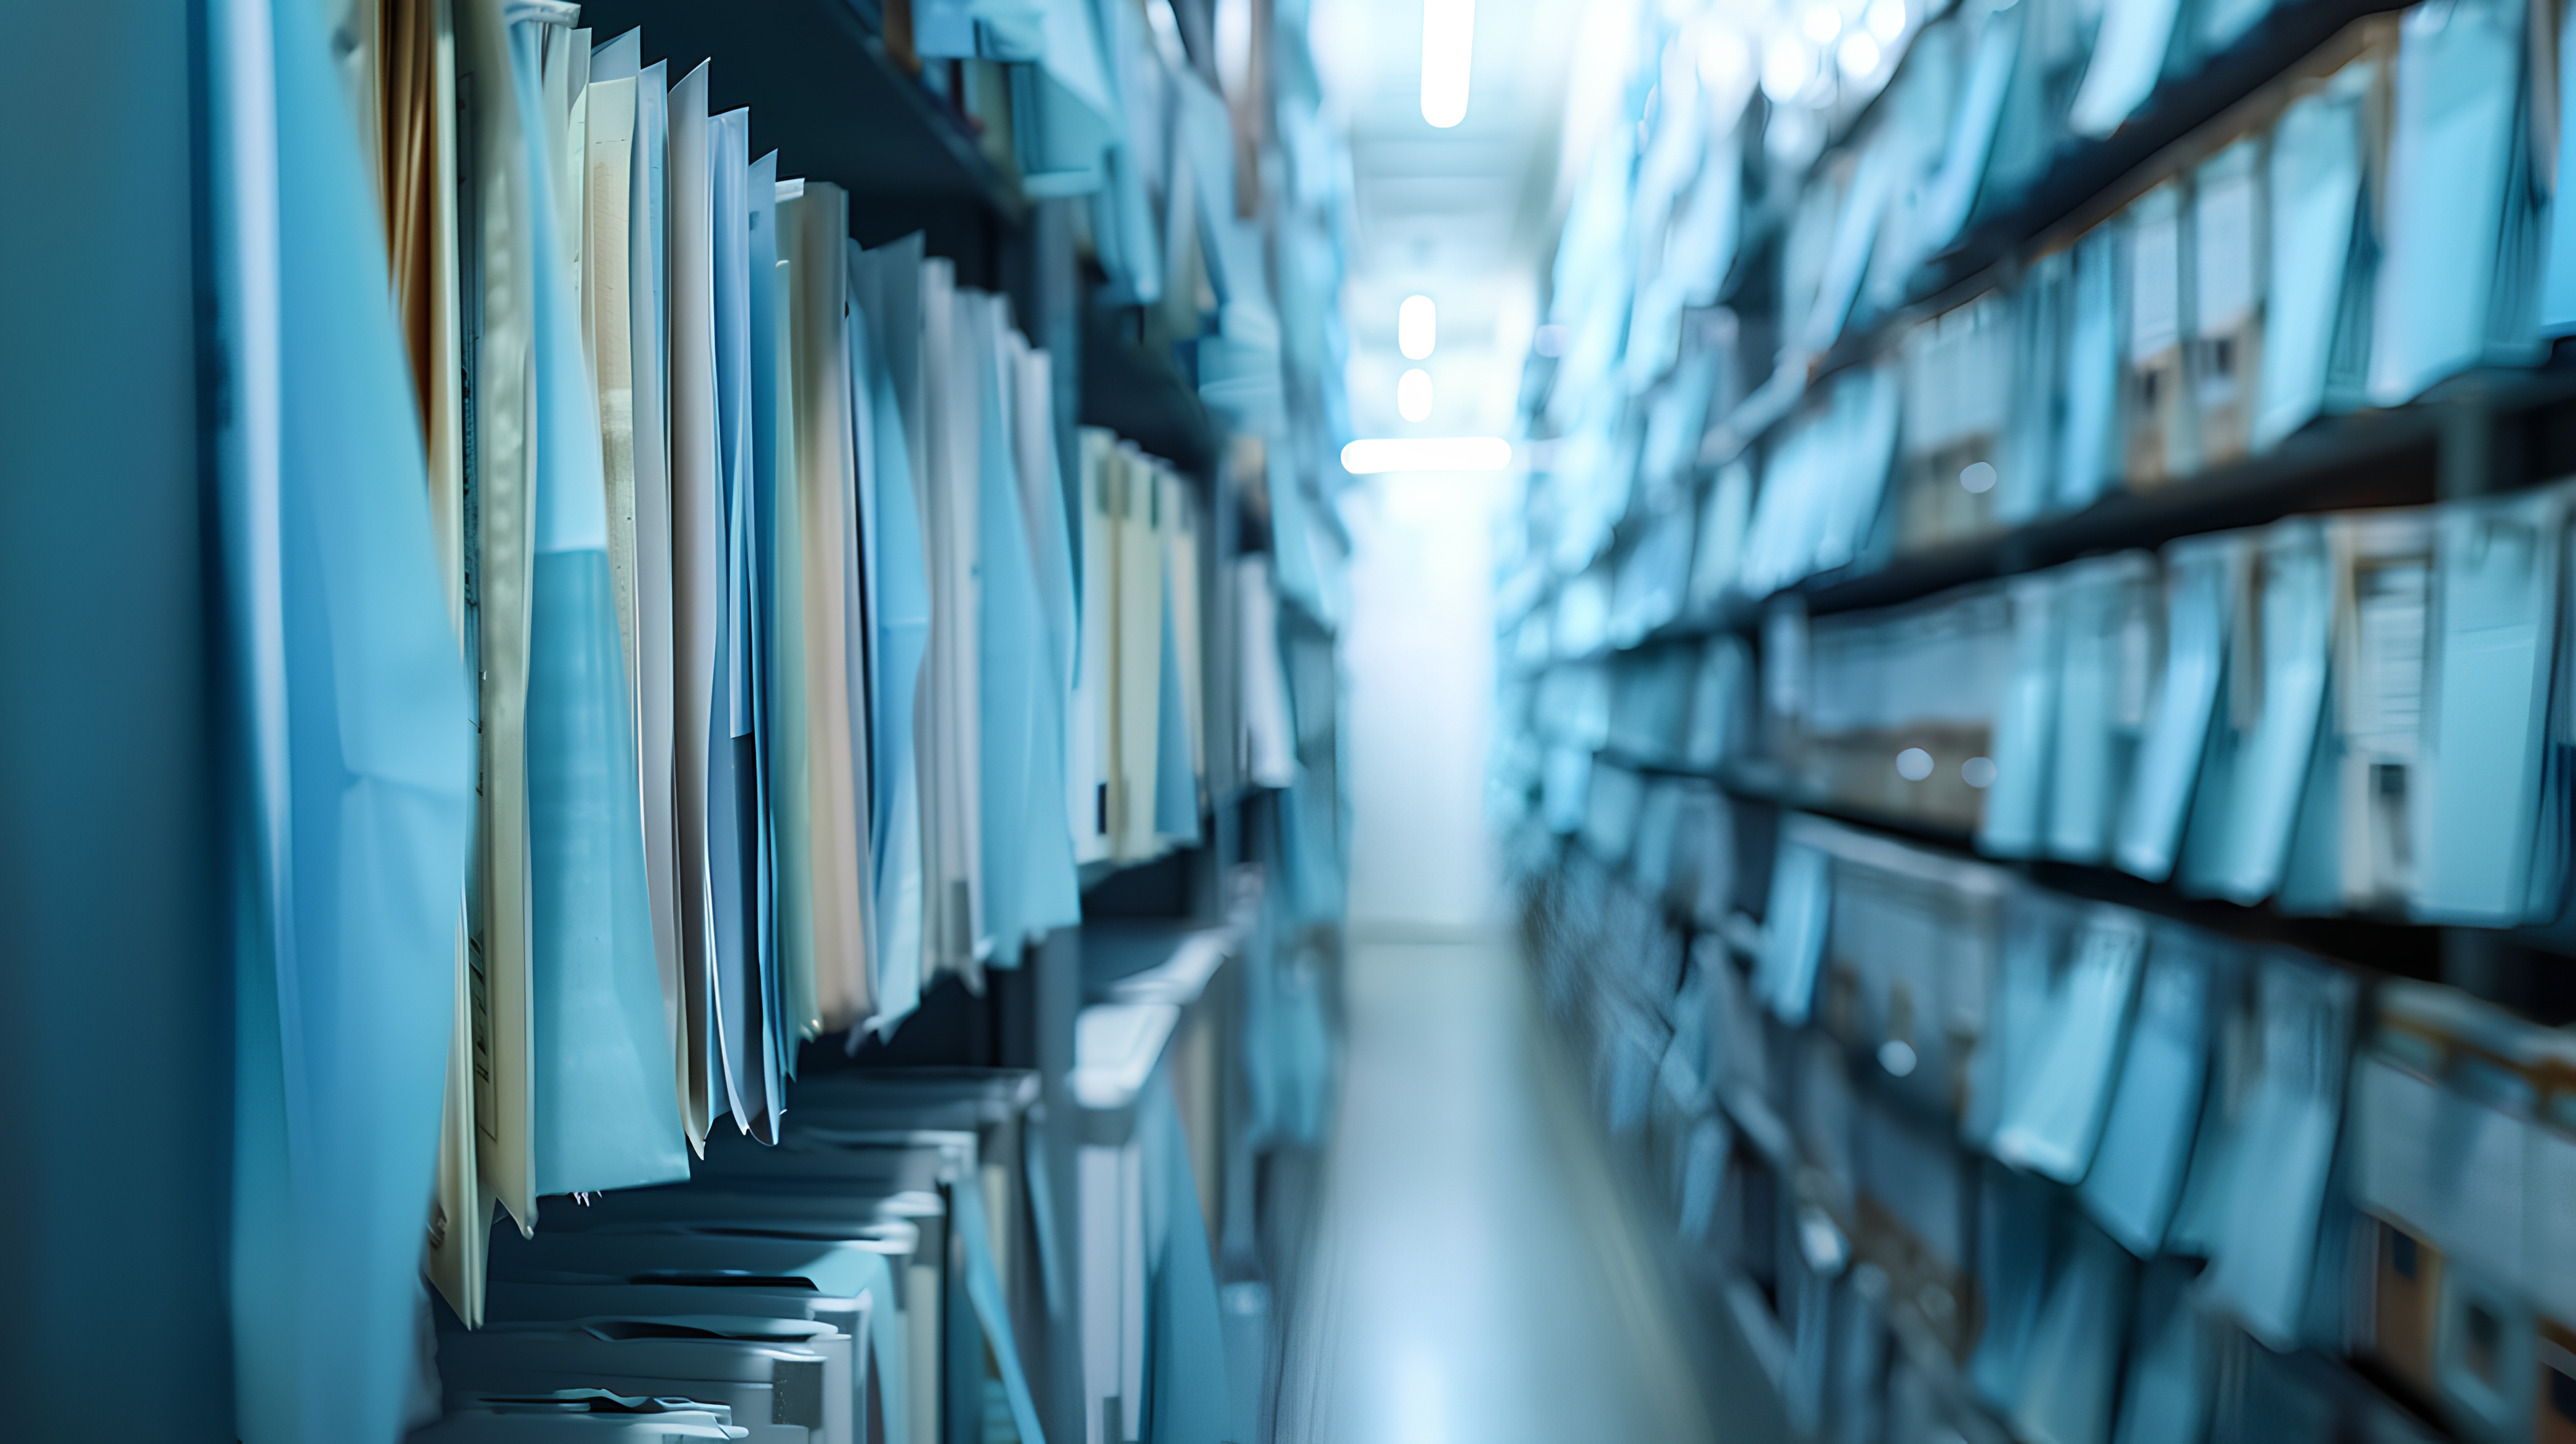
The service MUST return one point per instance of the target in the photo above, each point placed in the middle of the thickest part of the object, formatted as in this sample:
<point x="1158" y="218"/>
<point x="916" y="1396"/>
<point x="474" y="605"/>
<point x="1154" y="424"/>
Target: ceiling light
<point x="1723" y="60"/>
<point x="1448" y="48"/>
<point x="1417" y="327"/>
<point x="1821" y="23"/>
<point x="1787" y="66"/>
<point x="1413" y="395"/>
<point x="1886" y="20"/>
<point x="1858" y="54"/>
<point x="1427" y="453"/>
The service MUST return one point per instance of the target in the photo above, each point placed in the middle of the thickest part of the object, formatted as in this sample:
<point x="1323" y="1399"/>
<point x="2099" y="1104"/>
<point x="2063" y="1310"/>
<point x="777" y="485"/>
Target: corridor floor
<point x="1478" y="1278"/>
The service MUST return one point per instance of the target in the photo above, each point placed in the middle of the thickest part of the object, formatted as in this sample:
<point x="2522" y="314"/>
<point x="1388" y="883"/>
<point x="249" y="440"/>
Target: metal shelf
<point x="2487" y="430"/>
<point x="828" y="97"/>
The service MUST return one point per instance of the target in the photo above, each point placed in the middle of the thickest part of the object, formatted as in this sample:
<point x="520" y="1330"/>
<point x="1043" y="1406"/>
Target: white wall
<point x="1420" y="653"/>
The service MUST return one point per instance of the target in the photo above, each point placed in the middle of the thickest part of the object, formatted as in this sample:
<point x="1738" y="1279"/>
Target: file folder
<point x="604" y="1104"/>
<point x="2073" y="1364"/>
<point x="2016" y="810"/>
<point x="2284" y="1148"/>
<point x="2494" y="646"/>
<point x="698" y="571"/>
<point x="2136" y="1177"/>
<point x="2111" y="616"/>
<point x="2091" y="455"/>
<point x="2227" y="210"/>
<point x="2053" y="1121"/>
<point x="2455" y="285"/>
<point x="2203" y="584"/>
<point x="2158" y="441"/>
<point x="2323" y="251"/>
<point x="2243" y="813"/>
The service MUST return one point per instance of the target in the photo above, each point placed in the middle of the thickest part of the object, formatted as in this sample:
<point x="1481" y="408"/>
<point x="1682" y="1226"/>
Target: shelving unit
<point x="893" y="1244"/>
<point x="1754" y="941"/>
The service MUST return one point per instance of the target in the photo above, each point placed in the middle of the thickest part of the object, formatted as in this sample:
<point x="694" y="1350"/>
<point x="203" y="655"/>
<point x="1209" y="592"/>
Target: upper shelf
<point x="828" y="97"/>
<point x="2482" y="431"/>
<point x="2080" y="171"/>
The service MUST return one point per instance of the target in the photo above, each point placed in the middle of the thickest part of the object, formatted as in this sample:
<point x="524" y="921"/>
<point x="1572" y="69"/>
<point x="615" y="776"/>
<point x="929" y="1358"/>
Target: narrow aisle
<point x="1478" y="1278"/>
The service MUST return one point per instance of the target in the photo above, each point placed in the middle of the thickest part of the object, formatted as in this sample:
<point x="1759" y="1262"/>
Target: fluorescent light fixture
<point x="1448" y="47"/>
<point x="1417" y="327"/>
<point x="1787" y="67"/>
<point x="1886" y="20"/>
<point x="1822" y="23"/>
<point x="1413" y="394"/>
<point x="1427" y="453"/>
<point x="1858" y="54"/>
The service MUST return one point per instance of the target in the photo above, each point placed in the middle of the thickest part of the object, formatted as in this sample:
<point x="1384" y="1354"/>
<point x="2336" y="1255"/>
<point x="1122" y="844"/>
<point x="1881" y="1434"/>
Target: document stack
<point x="2060" y="902"/>
<point x="768" y="830"/>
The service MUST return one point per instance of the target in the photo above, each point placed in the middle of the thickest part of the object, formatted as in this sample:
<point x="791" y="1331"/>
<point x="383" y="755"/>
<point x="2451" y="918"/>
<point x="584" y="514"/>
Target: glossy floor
<point x="1478" y="1277"/>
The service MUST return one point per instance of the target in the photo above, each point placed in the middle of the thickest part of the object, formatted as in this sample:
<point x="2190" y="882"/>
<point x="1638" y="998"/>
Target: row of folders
<point x="1985" y="1150"/>
<point x="799" y="668"/>
<point x="2373" y="222"/>
<point x="2363" y="713"/>
<point x="887" y="1272"/>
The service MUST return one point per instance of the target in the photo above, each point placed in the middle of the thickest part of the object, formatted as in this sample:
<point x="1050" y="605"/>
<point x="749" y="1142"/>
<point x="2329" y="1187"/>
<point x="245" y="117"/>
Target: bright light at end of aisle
<point x="1417" y="327"/>
<point x="1413" y="395"/>
<point x="1448" y="47"/>
<point x="1426" y="453"/>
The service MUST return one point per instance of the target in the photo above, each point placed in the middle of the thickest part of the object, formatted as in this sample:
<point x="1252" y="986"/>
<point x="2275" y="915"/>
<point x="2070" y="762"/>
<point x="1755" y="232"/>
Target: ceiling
<point x="1466" y="215"/>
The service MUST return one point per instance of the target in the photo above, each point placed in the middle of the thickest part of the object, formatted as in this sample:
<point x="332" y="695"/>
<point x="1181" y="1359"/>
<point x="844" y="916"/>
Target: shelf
<point x="825" y="94"/>
<point x="1140" y="980"/>
<point x="2080" y="173"/>
<point x="2509" y="428"/>
<point x="2394" y="946"/>
<point x="1135" y="388"/>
